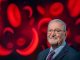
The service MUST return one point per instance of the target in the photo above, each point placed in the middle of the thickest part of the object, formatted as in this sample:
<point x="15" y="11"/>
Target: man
<point x="59" y="50"/>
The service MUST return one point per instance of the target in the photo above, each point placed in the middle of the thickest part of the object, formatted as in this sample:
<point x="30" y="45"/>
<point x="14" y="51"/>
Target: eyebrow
<point x="55" y="29"/>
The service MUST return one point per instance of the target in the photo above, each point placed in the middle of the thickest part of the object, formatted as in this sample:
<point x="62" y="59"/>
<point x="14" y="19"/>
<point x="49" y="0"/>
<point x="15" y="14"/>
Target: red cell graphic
<point x="14" y="18"/>
<point x="43" y="47"/>
<point x="48" y="44"/>
<point x="77" y="39"/>
<point x="13" y="15"/>
<point x="43" y="21"/>
<point x="41" y="10"/>
<point x="33" y="45"/>
<point x="1" y="19"/>
<point x="1" y="1"/>
<point x="4" y="52"/>
<point x="9" y="45"/>
<point x="8" y="29"/>
<point x="68" y="33"/>
<point x="20" y="42"/>
<point x="77" y="21"/>
<point x="56" y="9"/>
<point x="29" y="9"/>
<point x="73" y="6"/>
<point x="31" y="23"/>
<point x="1" y="26"/>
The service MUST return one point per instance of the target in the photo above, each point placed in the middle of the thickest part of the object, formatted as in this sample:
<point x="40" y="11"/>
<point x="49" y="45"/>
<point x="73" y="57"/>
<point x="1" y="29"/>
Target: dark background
<point x="38" y="19"/>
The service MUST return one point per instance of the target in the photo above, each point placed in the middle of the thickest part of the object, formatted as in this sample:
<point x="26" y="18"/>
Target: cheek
<point x="49" y="34"/>
<point x="58" y="35"/>
<point x="62" y="35"/>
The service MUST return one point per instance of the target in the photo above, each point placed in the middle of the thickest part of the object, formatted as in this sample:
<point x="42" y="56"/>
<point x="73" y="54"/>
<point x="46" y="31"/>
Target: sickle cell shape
<point x="33" y="45"/>
<point x="43" y="21"/>
<point x="8" y="29"/>
<point x="4" y="52"/>
<point x="13" y="15"/>
<point x="56" y="9"/>
<point x="29" y="9"/>
<point x="41" y="10"/>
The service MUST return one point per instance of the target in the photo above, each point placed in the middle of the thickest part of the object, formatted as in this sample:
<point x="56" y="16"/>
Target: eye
<point x="58" y="30"/>
<point x="50" y="30"/>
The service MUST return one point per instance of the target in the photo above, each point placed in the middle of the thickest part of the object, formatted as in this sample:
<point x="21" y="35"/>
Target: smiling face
<point x="56" y="33"/>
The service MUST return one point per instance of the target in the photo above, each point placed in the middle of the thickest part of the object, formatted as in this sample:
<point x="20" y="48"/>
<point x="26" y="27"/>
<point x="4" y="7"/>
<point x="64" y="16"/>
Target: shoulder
<point x="43" y="54"/>
<point x="71" y="53"/>
<point x="44" y="51"/>
<point x="71" y="50"/>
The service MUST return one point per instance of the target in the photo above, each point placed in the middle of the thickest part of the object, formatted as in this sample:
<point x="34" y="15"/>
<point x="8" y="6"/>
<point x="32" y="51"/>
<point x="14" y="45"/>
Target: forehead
<point x="54" y="25"/>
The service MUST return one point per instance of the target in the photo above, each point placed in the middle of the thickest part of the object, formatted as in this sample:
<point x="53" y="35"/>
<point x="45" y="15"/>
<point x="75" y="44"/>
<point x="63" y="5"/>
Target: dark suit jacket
<point x="67" y="53"/>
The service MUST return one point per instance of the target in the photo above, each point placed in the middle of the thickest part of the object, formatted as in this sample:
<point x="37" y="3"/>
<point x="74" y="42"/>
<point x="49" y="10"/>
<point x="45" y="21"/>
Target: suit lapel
<point x="62" y="53"/>
<point x="46" y="53"/>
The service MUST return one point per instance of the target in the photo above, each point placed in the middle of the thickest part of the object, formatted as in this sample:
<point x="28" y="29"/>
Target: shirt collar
<point x="59" y="48"/>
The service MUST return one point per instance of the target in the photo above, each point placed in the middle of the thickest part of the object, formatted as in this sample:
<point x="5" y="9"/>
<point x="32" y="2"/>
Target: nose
<point x="51" y="34"/>
<point x="54" y="35"/>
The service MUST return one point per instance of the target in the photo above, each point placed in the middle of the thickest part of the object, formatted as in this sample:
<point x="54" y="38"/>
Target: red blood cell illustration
<point x="20" y="41"/>
<point x="13" y="15"/>
<point x="43" y="21"/>
<point x="73" y="6"/>
<point x="77" y="21"/>
<point x="28" y="8"/>
<point x="77" y="39"/>
<point x="33" y="45"/>
<point x="56" y="9"/>
<point x="41" y="10"/>
<point x="9" y="45"/>
<point x="4" y="52"/>
<point x="8" y="29"/>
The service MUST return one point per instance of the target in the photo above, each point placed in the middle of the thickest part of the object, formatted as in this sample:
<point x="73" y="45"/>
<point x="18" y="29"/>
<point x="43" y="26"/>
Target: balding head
<point x="58" y="21"/>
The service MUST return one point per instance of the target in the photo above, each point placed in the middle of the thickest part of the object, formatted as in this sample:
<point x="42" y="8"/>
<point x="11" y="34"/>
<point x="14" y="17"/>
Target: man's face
<point x="56" y="33"/>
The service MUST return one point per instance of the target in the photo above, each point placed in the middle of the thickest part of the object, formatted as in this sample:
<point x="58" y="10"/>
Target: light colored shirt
<point x="57" y="50"/>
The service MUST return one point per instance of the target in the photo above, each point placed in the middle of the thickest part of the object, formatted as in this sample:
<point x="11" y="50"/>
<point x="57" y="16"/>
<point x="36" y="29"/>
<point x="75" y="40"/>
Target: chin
<point x="53" y="43"/>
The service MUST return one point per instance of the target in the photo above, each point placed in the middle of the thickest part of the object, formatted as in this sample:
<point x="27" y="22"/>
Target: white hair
<point x="59" y="21"/>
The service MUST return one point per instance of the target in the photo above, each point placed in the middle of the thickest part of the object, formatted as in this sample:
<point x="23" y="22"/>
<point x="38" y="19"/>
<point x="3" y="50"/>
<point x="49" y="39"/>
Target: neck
<point x="54" y="46"/>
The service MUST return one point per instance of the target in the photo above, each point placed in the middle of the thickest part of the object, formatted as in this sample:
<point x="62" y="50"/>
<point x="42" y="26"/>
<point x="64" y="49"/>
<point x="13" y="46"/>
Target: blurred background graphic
<point x="23" y="26"/>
